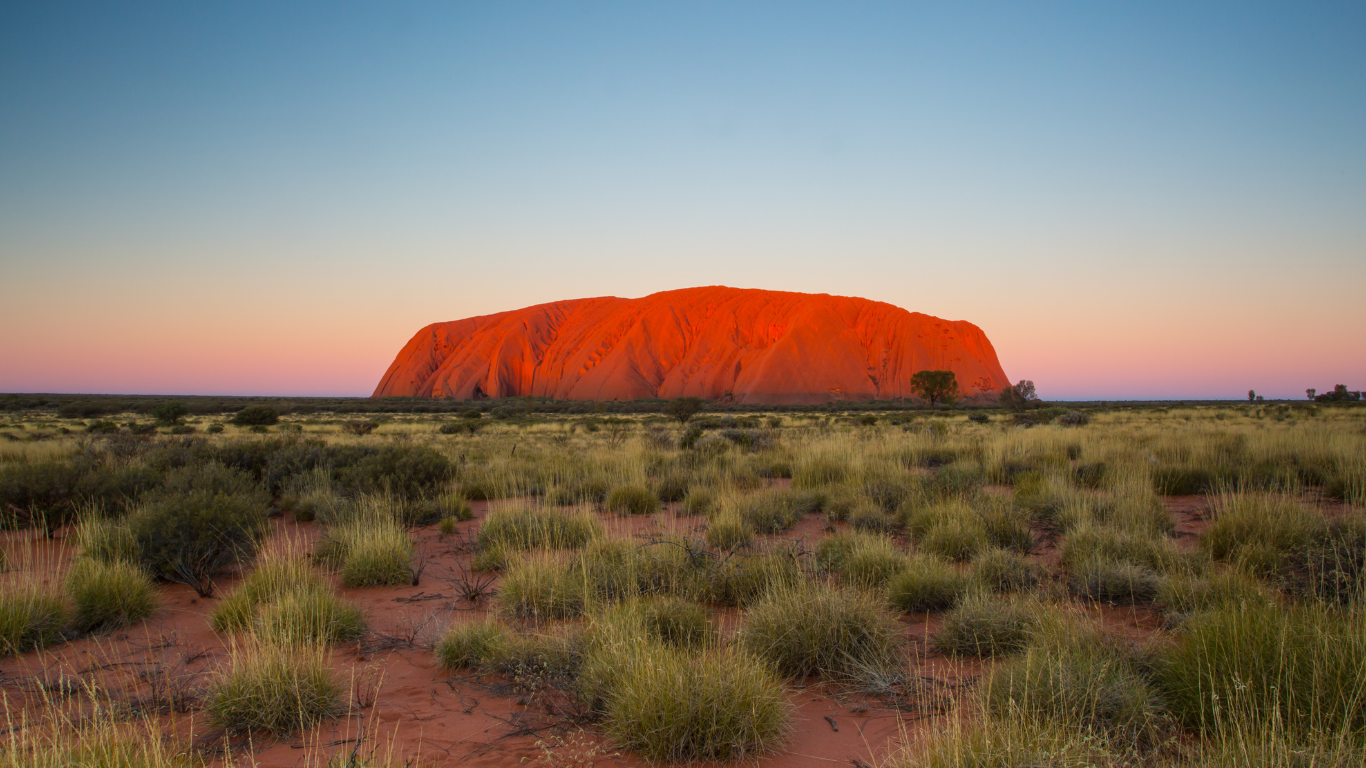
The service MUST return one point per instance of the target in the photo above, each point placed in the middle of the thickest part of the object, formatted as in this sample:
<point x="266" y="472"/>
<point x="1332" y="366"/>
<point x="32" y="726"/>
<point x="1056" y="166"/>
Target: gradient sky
<point x="1134" y="200"/>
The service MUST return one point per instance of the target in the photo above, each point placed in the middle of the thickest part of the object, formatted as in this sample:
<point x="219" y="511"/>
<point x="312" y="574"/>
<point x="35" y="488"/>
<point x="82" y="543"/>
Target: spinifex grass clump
<point x="278" y="688"/>
<point x="675" y="705"/>
<point x="741" y="580"/>
<point x="927" y="584"/>
<point x="632" y="500"/>
<point x="284" y="600"/>
<point x="31" y="616"/>
<point x="371" y="551"/>
<point x="108" y="595"/>
<point x="104" y="738"/>
<point x="675" y="702"/>
<point x="1302" y="666"/>
<point x="862" y="559"/>
<point x="1261" y="533"/>
<point x="541" y="587"/>
<point x="1072" y="677"/>
<point x="1111" y="581"/>
<point x="1002" y="570"/>
<point x="523" y="530"/>
<point x="819" y="629"/>
<point x="985" y="626"/>
<point x="469" y="644"/>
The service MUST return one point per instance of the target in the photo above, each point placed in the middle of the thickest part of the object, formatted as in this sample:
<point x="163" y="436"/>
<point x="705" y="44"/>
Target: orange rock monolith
<point x="718" y="343"/>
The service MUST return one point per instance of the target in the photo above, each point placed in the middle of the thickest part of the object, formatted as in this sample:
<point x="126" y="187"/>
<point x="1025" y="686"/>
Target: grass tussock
<point x="108" y="595"/>
<point x="927" y="585"/>
<point x="819" y="629"/>
<point x="525" y="530"/>
<point x="985" y="626"/>
<point x="370" y="551"/>
<point x="673" y="705"/>
<point x="31" y="616"/>
<point x="278" y="689"/>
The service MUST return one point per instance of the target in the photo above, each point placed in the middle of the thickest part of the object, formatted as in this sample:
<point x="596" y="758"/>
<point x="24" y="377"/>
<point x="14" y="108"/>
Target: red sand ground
<point x="728" y="344"/>
<point x="420" y="711"/>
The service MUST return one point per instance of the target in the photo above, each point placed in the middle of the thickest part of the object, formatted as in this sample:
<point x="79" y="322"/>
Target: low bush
<point x="256" y="415"/>
<point x="193" y="537"/>
<point x="405" y="471"/>
<point x="818" y="629"/>
<point x="108" y="595"/>
<point x="927" y="585"/>
<point x="371" y="550"/>
<point x="983" y="626"/>
<point x="31" y="616"/>
<point x="672" y="487"/>
<point x="274" y="688"/>
<point x="861" y="559"/>
<point x="699" y="501"/>
<point x="632" y="500"/>
<point x="1187" y="593"/>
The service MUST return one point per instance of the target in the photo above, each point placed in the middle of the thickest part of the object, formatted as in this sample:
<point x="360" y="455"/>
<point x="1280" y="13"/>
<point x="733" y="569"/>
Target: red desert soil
<point x="748" y="346"/>
<point x="409" y="705"/>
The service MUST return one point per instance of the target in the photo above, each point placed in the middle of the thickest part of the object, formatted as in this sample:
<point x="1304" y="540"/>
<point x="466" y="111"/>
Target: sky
<point x="1132" y="200"/>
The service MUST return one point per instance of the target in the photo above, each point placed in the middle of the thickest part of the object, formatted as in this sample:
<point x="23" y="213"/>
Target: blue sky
<point x="1132" y="200"/>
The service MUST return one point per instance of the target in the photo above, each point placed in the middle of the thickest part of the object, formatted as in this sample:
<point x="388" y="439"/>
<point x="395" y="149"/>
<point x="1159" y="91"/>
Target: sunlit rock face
<point x="727" y="344"/>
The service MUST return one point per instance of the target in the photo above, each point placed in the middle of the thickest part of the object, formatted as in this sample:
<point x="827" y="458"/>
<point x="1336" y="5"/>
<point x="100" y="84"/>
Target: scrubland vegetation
<point x="1125" y="587"/>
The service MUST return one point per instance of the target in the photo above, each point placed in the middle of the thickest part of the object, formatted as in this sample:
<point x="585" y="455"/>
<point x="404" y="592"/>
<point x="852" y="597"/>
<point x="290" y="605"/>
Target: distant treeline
<point x="96" y="406"/>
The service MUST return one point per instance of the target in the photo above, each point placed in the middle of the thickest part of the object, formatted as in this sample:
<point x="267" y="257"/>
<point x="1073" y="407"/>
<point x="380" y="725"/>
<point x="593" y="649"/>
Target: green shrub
<point x="193" y="537"/>
<point x="472" y="644"/>
<point x="256" y="415"/>
<point x="927" y="585"/>
<point x="770" y="512"/>
<point x="108" y="595"/>
<point x="632" y="500"/>
<point x="607" y="569"/>
<point x="861" y="559"/>
<point x="1186" y="593"/>
<point x="982" y="626"/>
<point x="822" y="630"/>
<point x="1303" y="666"/>
<point x="406" y="471"/>
<point x="1002" y="570"/>
<point x="30" y="617"/>
<point x="106" y="540"/>
<point x="955" y="539"/>
<point x="676" y="706"/>
<point x="1089" y="542"/>
<point x="383" y="559"/>
<point x="274" y="688"/>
